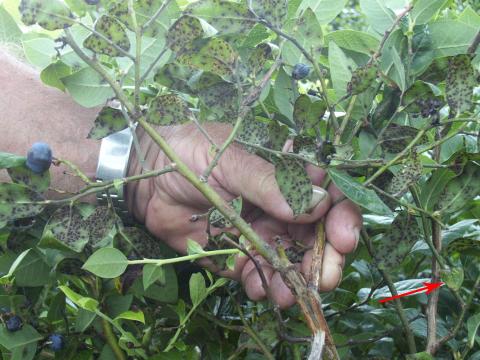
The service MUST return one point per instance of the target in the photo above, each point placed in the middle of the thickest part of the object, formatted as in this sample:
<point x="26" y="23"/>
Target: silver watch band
<point x="113" y="164"/>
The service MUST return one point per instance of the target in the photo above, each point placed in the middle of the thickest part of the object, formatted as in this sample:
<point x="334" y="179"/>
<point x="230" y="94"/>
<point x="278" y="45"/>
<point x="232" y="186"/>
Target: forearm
<point x="31" y="112"/>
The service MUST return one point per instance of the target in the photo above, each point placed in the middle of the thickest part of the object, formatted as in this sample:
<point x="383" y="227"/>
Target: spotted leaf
<point x="396" y="243"/>
<point x="259" y="56"/>
<point x="18" y="202"/>
<point x="216" y="219"/>
<point x="24" y="176"/>
<point x="397" y="137"/>
<point x="226" y="16"/>
<point x="305" y="146"/>
<point x="278" y="134"/>
<point x="111" y="29"/>
<point x="294" y="183"/>
<point x="219" y="98"/>
<point x="308" y="112"/>
<point x="418" y="98"/>
<point x="50" y="15"/>
<point x="273" y="11"/>
<point x="409" y="175"/>
<point x="168" y="110"/>
<point x="460" y="190"/>
<point x="461" y="80"/>
<point x="214" y="55"/>
<point x="175" y="77"/>
<point x="107" y="122"/>
<point x="183" y="32"/>
<point x="254" y="130"/>
<point x="362" y="79"/>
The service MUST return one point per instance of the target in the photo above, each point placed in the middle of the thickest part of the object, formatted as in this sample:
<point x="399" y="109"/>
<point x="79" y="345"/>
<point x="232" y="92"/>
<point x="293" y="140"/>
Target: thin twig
<point x="156" y="15"/>
<point x="473" y="47"/>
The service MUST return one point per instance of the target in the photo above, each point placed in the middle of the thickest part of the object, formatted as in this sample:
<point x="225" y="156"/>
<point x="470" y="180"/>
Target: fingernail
<point x="318" y="195"/>
<point x="356" y="232"/>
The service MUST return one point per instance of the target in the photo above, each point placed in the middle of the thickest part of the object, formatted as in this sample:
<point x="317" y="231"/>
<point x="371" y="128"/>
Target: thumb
<point x="253" y="178"/>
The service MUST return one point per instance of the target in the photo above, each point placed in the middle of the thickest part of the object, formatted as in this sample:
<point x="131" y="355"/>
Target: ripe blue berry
<point x="39" y="158"/>
<point x="14" y="323"/>
<point x="300" y="71"/>
<point x="92" y="2"/>
<point x="57" y="342"/>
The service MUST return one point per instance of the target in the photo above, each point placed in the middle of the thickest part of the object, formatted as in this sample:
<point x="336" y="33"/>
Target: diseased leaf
<point x="259" y="57"/>
<point x="278" y="134"/>
<point x="464" y="247"/>
<point x="460" y="190"/>
<point x="409" y="175"/>
<point x="216" y="219"/>
<point x="108" y="121"/>
<point x="254" y="130"/>
<point x="294" y="183"/>
<point x="308" y="112"/>
<point x="219" y="97"/>
<point x="17" y="202"/>
<point x="453" y="277"/>
<point x="397" y="137"/>
<point x="356" y="192"/>
<point x="397" y="241"/>
<point x="226" y="16"/>
<point x="113" y="30"/>
<point x="273" y="11"/>
<point x="461" y="80"/>
<point x="214" y="55"/>
<point x="175" y="77"/>
<point x="51" y="15"/>
<point x="434" y="187"/>
<point x="362" y="79"/>
<point x="24" y="176"/>
<point x="168" y="110"/>
<point x="183" y="32"/>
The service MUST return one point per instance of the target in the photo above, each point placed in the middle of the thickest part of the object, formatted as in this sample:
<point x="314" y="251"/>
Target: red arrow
<point x="428" y="288"/>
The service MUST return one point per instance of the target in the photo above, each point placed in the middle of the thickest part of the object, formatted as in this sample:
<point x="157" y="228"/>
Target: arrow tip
<point x="432" y="286"/>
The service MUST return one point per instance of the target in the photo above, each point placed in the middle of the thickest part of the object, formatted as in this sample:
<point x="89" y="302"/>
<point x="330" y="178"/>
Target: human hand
<point x="166" y="204"/>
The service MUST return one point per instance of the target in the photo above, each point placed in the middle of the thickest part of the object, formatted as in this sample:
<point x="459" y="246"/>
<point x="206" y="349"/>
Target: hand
<point x="166" y="204"/>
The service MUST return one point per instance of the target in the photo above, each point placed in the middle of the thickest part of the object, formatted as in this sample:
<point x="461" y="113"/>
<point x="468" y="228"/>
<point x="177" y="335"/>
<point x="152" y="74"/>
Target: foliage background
<point x="423" y="58"/>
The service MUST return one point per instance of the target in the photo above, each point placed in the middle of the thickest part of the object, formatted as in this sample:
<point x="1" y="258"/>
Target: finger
<point x="342" y="226"/>
<point x="254" y="179"/>
<point x="252" y="280"/>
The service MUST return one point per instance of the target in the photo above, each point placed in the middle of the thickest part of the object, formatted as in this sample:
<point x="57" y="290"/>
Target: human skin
<point x="32" y="112"/>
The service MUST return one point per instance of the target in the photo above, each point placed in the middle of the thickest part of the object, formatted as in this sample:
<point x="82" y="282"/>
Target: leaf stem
<point x="162" y="262"/>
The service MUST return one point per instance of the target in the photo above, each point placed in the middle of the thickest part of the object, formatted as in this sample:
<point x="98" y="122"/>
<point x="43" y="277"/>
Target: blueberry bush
<point x="383" y="95"/>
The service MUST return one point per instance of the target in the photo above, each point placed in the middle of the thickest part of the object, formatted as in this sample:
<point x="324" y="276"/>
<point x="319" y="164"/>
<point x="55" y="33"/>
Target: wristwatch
<point x="113" y="164"/>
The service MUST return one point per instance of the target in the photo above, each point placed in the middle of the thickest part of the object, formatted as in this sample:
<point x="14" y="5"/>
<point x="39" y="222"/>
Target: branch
<point x="156" y="15"/>
<point x="473" y="47"/>
<point x="162" y="262"/>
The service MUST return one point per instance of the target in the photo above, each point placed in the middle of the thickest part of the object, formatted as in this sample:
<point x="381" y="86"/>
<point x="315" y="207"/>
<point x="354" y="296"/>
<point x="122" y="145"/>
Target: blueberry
<point x="92" y="2"/>
<point x="57" y="342"/>
<point x="14" y="323"/>
<point x="39" y="157"/>
<point x="300" y="71"/>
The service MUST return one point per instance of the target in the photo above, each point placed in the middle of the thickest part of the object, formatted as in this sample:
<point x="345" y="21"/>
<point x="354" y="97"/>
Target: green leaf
<point x="168" y="109"/>
<point x="8" y="160"/>
<point x="108" y="121"/>
<point x="379" y="14"/>
<point x="398" y="70"/>
<point x="51" y="15"/>
<point x="53" y="74"/>
<point x="460" y="190"/>
<point x="216" y="219"/>
<point x="325" y="10"/>
<point x="453" y="277"/>
<point x="9" y="30"/>
<point x="151" y="274"/>
<point x="214" y="55"/>
<point x="194" y="247"/>
<point x="461" y="81"/>
<point x="452" y="37"/>
<point x="420" y="356"/>
<point x="308" y="32"/>
<point x="17" y="202"/>
<point x="24" y="176"/>
<point x="356" y="192"/>
<point x="88" y="88"/>
<point x="397" y="241"/>
<point x="294" y="183"/>
<point x="106" y="263"/>
<point x="113" y="30"/>
<point x="424" y="10"/>
<point x="183" y="32"/>
<point x="308" y="112"/>
<point x="83" y="302"/>
<point x="283" y="94"/>
<point x="473" y="323"/>
<point x="13" y="340"/>
<point x="131" y="315"/>
<point x="354" y="40"/>
<point x="340" y="69"/>
<point x="434" y="187"/>
<point x="84" y="319"/>
<point x="198" y="290"/>
<point x="226" y="16"/>
<point x="39" y="49"/>
<point x="31" y="271"/>
<point x="273" y="11"/>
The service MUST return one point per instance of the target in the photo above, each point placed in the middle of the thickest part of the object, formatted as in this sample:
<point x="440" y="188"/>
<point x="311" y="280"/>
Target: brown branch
<point x="474" y="46"/>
